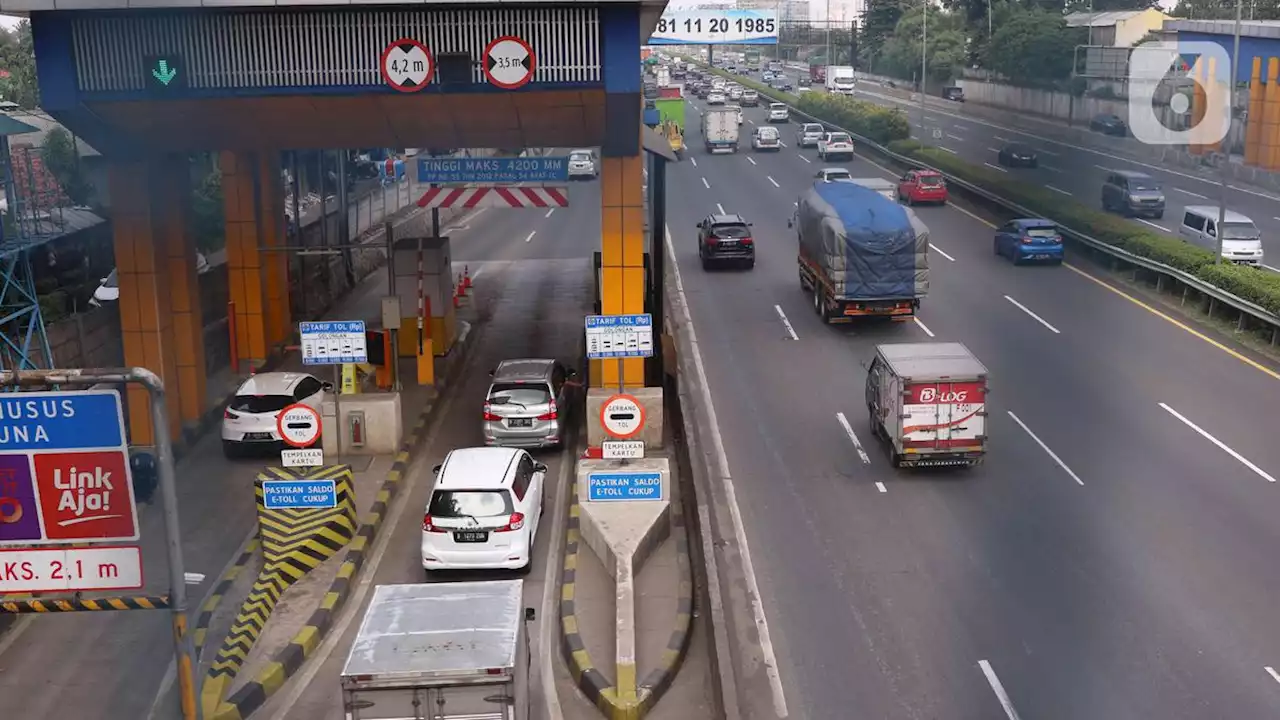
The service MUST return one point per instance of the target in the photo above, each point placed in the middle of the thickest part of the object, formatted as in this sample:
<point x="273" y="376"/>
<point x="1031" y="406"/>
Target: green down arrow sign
<point x="165" y="73"/>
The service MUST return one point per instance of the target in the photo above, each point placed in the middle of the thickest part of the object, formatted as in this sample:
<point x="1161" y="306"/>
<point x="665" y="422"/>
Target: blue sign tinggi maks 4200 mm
<point x="493" y="170"/>
<point x="299" y="494"/>
<point x="624" y="486"/>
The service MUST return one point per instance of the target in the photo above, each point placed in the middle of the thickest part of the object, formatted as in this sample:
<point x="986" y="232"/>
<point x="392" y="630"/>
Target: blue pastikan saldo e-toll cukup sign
<point x="623" y="486"/>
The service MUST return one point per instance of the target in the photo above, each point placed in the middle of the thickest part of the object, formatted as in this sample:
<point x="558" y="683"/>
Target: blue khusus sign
<point x="493" y="170"/>
<point x="299" y="494"/>
<point x="624" y="486"/>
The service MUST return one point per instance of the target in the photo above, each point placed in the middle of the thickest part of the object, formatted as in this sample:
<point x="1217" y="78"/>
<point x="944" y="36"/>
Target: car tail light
<point x="748" y="241"/>
<point x="488" y="414"/>
<point x="228" y="415"/>
<point x="1027" y="240"/>
<point x="550" y="414"/>
<point x="431" y="527"/>
<point x="712" y="239"/>
<point x="514" y="523"/>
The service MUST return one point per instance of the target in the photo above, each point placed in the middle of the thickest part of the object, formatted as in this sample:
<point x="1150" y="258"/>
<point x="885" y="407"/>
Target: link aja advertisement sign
<point x="64" y="469"/>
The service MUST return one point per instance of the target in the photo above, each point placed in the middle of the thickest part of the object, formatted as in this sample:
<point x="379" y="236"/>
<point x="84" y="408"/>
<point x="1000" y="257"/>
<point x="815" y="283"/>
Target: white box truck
<point x="840" y="79"/>
<point x="444" y="651"/>
<point x="720" y="129"/>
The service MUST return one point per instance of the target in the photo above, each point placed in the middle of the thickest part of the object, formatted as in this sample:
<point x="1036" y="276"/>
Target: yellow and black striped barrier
<point x="104" y="604"/>
<point x="294" y="542"/>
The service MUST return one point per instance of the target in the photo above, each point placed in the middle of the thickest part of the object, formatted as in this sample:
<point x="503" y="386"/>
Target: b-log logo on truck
<point x="930" y="395"/>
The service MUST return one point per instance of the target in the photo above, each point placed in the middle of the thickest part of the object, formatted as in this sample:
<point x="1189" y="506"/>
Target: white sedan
<point x="715" y="97"/>
<point x="249" y="420"/>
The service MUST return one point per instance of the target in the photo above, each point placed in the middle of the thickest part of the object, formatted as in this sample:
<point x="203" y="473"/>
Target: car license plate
<point x="471" y="536"/>
<point x="258" y="436"/>
<point x="519" y="422"/>
<point x="1040" y="256"/>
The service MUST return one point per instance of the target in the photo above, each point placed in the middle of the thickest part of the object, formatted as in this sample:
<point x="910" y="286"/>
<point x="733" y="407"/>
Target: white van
<point x="1241" y="239"/>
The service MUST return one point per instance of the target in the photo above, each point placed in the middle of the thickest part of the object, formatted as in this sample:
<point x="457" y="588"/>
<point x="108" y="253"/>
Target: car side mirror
<point x="102" y="280"/>
<point x="540" y="467"/>
<point x="571" y="373"/>
<point x="436" y="470"/>
<point x="327" y="387"/>
<point x="530" y="614"/>
<point x="790" y="223"/>
<point x="491" y="372"/>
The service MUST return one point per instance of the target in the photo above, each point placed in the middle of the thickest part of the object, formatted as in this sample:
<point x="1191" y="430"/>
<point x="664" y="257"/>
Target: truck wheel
<point x="819" y="306"/>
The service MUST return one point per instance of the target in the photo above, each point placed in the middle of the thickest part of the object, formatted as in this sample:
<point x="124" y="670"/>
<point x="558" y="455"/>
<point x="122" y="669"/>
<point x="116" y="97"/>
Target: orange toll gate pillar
<point x="244" y="259"/>
<point x="144" y="234"/>
<point x="622" y="281"/>
<point x="275" y="263"/>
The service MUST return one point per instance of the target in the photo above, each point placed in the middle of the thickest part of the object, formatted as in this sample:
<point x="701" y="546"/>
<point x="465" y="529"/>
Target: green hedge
<point x="880" y="124"/>
<point x="890" y="128"/>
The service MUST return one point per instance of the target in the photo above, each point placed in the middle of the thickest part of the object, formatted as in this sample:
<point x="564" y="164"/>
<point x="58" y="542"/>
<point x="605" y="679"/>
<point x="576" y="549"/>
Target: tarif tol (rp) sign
<point x="64" y="469"/>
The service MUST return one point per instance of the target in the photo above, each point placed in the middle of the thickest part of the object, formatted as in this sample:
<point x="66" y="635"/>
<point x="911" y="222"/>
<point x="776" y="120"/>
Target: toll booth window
<point x="260" y="403"/>
<point x="519" y="394"/>
<point x="470" y="503"/>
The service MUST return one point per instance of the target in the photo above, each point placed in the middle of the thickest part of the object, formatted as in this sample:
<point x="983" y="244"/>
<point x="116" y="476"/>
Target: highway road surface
<point x="533" y="283"/>
<point x="1111" y="559"/>
<point x="1076" y="171"/>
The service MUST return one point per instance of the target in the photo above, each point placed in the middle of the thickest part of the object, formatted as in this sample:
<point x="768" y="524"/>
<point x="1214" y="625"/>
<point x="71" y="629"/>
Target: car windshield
<point x="256" y="404"/>
<point x="1143" y="186"/>
<point x="731" y="231"/>
<point x="838" y="175"/>
<point x="812" y="128"/>
<point x="1019" y="149"/>
<point x="580" y="157"/>
<point x="1239" y="231"/>
<point x="777" y="106"/>
<point x="1042" y="232"/>
<point x="930" y="180"/>
<point x="525" y="394"/>
<point x="838" y="138"/>
<point x="767" y="133"/>
<point x="112" y="280"/>
<point x="470" y="503"/>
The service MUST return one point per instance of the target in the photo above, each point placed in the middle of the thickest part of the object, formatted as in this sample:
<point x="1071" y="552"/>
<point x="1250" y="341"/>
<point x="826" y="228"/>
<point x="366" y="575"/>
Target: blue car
<point x="1029" y="239"/>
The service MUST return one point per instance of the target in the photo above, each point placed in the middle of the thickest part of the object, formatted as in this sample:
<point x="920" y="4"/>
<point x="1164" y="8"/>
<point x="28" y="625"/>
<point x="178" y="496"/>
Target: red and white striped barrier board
<point x="516" y="197"/>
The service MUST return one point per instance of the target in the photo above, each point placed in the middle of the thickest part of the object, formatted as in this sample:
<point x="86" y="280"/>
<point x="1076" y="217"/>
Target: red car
<point x="922" y="186"/>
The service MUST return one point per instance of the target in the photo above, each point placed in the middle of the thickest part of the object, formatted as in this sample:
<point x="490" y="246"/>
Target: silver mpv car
<point x="526" y="404"/>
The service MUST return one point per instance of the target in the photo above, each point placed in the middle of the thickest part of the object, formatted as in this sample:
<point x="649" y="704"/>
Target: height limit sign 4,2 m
<point x="407" y="65"/>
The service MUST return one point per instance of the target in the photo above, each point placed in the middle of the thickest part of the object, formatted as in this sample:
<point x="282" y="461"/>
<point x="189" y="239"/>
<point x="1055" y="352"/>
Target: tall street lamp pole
<point x="924" y="57"/>
<point x="1233" y="69"/>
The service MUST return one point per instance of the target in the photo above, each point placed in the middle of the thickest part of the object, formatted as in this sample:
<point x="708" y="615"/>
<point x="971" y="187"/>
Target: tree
<point x="945" y="49"/>
<point x="1226" y="10"/>
<point x="1033" y="48"/>
<point x="62" y="157"/>
<point x="877" y="27"/>
<point x="18" y="59"/>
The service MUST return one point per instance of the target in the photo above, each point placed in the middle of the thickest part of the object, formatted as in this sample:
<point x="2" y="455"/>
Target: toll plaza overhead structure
<point x="251" y="79"/>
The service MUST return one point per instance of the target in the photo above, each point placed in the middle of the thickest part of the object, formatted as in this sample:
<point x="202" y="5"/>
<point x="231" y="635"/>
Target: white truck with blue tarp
<point x="861" y="254"/>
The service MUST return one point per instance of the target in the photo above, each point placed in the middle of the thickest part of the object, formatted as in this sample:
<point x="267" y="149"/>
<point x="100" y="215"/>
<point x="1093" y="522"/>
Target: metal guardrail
<point x="1245" y="308"/>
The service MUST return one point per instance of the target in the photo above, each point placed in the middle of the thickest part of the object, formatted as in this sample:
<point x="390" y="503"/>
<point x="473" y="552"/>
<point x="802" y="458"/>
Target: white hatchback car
<point x="484" y="510"/>
<point x="249" y="420"/>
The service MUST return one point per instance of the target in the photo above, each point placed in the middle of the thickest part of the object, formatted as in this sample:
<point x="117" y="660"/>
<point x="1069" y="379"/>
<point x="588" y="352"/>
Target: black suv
<point x="726" y="239"/>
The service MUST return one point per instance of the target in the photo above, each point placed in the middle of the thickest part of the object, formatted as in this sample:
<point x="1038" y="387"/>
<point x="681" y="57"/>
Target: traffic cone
<point x="456" y="302"/>
<point x="466" y="276"/>
<point x="462" y="287"/>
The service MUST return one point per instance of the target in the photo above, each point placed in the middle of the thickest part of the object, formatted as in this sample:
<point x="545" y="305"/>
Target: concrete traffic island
<point x="627" y="512"/>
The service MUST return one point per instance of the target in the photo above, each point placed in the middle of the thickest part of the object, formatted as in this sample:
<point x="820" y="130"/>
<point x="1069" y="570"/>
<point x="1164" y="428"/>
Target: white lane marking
<point x="1057" y="190"/>
<point x="720" y="208"/>
<point x="991" y="149"/>
<point x="998" y="688"/>
<point x="1038" y="319"/>
<point x="995" y="167"/>
<point x="803" y="158"/>
<point x="775" y="182"/>
<point x="548" y="625"/>
<point x="1161" y="228"/>
<point x="302" y="681"/>
<point x="1272" y="672"/>
<point x="1050" y="168"/>
<point x="1188" y="192"/>
<point x="1103" y="169"/>
<point x="1221" y="445"/>
<point x="752" y="161"/>
<point x="535" y="232"/>
<point x="880" y="486"/>
<point x="984" y="221"/>
<point x="706" y="184"/>
<point x="787" y="323"/>
<point x="694" y="160"/>
<point x="944" y="148"/>
<point x="1044" y="447"/>
<point x="955" y="137"/>
<point x="923" y="327"/>
<point x="782" y="143"/>
<point x="1001" y="139"/>
<point x="941" y="252"/>
<point x="853" y="437"/>
<point x="731" y="496"/>
<point x="959" y="126"/>
<point x="549" y="213"/>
